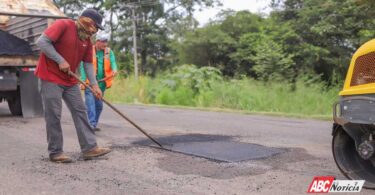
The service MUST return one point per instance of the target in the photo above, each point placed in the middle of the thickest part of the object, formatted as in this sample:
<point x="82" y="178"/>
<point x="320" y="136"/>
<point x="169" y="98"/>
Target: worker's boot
<point x="96" y="152"/>
<point x="61" y="158"/>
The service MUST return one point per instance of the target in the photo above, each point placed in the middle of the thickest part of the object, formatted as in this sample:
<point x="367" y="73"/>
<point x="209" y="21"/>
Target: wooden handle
<point x="116" y="110"/>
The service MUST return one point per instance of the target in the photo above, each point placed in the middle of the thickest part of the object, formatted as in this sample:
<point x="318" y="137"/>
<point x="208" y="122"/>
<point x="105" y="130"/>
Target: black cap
<point x="94" y="15"/>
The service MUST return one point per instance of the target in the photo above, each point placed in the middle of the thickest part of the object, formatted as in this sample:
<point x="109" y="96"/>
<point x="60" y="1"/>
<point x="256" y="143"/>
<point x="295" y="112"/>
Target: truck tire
<point x="14" y="105"/>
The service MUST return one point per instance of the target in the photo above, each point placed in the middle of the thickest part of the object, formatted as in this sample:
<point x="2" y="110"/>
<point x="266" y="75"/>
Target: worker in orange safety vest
<point x="105" y="67"/>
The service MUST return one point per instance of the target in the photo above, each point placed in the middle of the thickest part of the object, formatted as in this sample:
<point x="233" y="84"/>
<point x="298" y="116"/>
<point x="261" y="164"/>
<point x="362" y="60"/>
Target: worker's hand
<point x="82" y="87"/>
<point x="114" y="73"/>
<point x="64" y="67"/>
<point x="97" y="92"/>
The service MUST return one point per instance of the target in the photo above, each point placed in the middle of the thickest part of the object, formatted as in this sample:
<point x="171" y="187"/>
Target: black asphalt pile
<point x="12" y="45"/>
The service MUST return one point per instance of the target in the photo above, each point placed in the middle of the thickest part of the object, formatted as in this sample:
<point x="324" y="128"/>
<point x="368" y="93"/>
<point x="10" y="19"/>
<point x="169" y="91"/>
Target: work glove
<point x="97" y="92"/>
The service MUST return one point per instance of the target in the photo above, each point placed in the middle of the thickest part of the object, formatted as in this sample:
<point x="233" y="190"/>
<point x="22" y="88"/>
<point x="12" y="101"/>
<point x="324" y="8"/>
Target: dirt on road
<point x="133" y="168"/>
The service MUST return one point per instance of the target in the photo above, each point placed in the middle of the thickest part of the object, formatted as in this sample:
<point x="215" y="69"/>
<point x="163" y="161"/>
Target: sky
<point x="237" y="5"/>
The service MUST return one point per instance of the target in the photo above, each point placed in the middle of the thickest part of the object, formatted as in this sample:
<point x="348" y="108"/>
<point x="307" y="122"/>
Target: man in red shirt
<point x="64" y="45"/>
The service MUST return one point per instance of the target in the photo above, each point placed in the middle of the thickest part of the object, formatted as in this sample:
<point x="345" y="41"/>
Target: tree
<point x="272" y="63"/>
<point x="207" y="46"/>
<point x="154" y="20"/>
<point x="217" y="43"/>
<point x="329" y="32"/>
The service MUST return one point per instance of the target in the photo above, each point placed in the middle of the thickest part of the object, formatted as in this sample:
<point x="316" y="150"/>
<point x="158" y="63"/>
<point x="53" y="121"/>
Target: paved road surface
<point x="134" y="169"/>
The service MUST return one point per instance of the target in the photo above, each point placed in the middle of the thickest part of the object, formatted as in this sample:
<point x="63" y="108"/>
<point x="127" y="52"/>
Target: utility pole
<point x="135" y="44"/>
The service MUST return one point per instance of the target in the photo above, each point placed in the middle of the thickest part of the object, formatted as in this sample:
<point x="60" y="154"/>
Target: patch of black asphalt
<point x="214" y="147"/>
<point x="177" y="163"/>
<point x="175" y="139"/>
<point x="12" y="45"/>
<point x="219" y="156"/>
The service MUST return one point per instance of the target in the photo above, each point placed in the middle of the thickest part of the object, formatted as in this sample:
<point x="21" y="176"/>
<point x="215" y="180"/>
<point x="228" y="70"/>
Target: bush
<point x="196" y="79"/>
<point x="310" y="97"/>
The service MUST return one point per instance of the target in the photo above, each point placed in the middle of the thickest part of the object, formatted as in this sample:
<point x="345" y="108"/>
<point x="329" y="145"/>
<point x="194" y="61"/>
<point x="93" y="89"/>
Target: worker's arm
<point x="45" y="44"/>
<point x="113" y="61"/>
<point x="89" y="70"/>
<point x="82" y="71"/>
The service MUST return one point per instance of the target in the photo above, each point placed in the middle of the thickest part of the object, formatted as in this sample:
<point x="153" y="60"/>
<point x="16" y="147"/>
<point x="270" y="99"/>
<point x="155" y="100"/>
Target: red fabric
<point x="64" y="36"/>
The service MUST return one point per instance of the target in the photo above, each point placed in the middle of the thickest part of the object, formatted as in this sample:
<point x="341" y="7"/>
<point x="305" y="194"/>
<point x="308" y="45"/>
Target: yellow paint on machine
<point x="368" y="88"/>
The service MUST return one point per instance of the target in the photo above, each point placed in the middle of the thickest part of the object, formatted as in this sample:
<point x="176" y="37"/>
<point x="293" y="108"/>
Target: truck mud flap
<point x="31" y="101"/>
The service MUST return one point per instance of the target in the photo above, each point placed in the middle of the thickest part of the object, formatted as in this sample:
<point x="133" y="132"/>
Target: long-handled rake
<point x="117" y="111"/>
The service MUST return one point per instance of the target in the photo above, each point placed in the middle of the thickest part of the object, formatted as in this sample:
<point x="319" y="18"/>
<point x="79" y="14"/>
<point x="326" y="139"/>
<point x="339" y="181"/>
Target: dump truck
<point x="353" y="142"/>
<point x="21" y="24"/>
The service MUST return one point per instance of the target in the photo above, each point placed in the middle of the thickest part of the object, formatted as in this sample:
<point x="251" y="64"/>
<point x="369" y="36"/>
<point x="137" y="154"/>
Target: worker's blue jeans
<point x="94" y="107"/>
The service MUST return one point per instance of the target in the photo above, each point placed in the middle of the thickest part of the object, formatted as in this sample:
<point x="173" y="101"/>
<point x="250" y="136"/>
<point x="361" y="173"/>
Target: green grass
<point x="246" y="96"/>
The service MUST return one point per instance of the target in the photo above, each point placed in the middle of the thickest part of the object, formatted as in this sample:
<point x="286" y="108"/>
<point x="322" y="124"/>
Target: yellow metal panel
<point x="360" y="89"/>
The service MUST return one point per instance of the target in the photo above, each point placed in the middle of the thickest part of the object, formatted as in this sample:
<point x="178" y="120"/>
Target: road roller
<point x="353" y="141"/>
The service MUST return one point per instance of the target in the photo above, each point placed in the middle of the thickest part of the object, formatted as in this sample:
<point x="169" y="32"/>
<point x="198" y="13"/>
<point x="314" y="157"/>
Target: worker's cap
<point x="95" y="16"/>
<point x="102" y="37"/>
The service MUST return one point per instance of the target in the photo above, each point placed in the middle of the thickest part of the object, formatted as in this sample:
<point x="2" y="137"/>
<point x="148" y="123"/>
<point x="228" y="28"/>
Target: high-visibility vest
<point x="107" y="65"/>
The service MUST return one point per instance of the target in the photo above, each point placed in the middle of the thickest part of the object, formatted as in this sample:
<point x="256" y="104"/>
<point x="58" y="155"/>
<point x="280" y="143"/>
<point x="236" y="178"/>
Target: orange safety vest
<point x="107" y="66"/>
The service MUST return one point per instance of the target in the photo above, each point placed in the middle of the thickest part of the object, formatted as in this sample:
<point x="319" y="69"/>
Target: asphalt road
<point x="135" y="169"/>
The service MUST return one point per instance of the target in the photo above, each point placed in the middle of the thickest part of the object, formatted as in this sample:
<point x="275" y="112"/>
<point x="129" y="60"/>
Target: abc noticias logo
<point x="326" y="184"/>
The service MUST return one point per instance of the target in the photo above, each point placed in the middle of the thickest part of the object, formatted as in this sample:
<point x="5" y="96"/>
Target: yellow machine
<point x="353" y="143"/>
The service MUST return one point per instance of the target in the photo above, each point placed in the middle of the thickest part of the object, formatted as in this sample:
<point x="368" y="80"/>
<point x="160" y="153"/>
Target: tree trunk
<point x="144" y="61"/>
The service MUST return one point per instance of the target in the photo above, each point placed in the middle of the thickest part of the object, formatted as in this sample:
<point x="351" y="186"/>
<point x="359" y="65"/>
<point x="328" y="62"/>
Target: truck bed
<point x="15" y="51"/>
<point x="13" y="61"/>
<point x="12" y="45"/>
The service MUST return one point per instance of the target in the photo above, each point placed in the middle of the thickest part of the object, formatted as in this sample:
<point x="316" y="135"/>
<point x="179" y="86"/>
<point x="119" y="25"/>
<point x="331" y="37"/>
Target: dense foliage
<point x="298" y="38"/>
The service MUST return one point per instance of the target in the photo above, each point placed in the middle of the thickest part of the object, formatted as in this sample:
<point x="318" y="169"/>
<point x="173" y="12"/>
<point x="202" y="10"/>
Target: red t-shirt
<point x="64" y="37"/>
